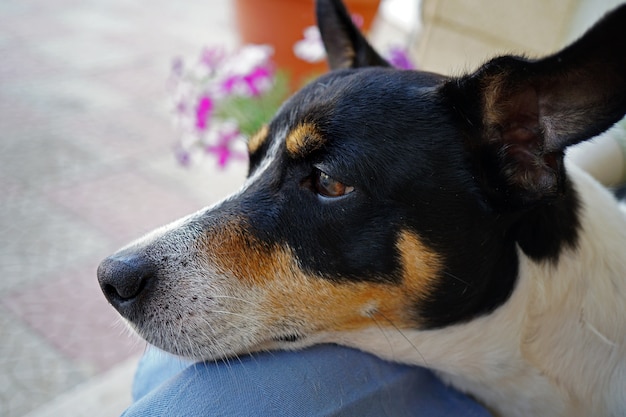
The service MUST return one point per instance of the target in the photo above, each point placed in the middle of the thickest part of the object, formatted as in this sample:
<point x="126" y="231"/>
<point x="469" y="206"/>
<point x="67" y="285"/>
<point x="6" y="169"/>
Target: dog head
<point x="378" y="198"/>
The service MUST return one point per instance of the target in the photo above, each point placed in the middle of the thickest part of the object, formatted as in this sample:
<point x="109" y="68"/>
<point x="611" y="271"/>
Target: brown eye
<point x="328" y="187"/>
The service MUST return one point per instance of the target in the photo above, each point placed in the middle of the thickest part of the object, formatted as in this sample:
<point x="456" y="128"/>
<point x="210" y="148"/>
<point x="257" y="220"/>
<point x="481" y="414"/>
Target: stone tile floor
<point x="85" y="165"/>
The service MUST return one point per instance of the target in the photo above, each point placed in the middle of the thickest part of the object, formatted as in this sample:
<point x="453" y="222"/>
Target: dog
<point x="426" y="219"/>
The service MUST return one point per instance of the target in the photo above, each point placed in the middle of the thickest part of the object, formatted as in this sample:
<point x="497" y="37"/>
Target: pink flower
<point x="203" y="112"/>
<point x="229" y="84"/>
<point x="223" y="148"/>
<point x="258" y="80"/>
<point x="358" y="20"/>
<point x="207" y="97"/>
<point x="252" y="84"/>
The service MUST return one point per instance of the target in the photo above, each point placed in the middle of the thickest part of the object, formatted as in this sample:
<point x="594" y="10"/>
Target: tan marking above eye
<point x="286" y="295"/>
<point x="258" y="139"/>
<point x="303" y="140"/>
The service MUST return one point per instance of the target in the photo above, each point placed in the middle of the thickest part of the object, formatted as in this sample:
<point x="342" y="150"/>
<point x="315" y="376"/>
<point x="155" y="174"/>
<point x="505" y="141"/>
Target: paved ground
<point x="85" y="165"/>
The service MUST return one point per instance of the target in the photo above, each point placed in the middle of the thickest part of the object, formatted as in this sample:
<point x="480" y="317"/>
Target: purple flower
<point x="178" y="67"/>
<point x="399" y="58"/>
<point x="203" y="112"/>
<point x="212" y="58"/>
<point x="182" y="156"/>
<point x="181" y="107"/>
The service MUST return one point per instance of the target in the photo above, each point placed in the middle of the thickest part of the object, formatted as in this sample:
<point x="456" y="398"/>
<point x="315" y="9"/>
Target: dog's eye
<point x="326" y="186"/>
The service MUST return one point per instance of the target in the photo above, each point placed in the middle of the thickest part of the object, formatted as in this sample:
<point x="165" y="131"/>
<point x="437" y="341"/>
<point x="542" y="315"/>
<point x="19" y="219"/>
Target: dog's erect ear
<point x="345" y="45"/>
<point x="521" y="114"/>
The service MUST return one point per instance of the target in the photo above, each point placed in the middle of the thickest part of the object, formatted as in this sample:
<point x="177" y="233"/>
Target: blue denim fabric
<point x="325" y="380"/>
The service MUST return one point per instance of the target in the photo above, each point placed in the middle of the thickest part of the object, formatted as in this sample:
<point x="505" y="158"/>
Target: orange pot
<point x="281" y="23"/>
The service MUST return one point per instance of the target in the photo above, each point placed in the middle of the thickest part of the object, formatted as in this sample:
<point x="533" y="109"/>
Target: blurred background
<point x="91" y="156"/>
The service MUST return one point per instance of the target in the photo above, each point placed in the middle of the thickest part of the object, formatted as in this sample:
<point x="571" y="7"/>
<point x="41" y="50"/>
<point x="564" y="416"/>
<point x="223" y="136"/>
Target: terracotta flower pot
<point x="281" y="23"/>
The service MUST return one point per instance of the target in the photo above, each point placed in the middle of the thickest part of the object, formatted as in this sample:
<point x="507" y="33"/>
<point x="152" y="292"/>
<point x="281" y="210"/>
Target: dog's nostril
<point x="122" y="278"/>
<point x="111" y="292"/>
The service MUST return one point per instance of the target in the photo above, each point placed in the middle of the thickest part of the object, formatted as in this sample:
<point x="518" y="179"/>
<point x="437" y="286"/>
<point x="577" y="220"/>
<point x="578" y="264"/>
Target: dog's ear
<point x="521" y="114"/>
<point x="345" y="45"/>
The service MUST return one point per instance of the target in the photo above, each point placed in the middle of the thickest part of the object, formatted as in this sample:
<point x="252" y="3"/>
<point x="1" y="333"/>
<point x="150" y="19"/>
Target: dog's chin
<point x="229" y="346"/>
<point x="201" y="352"/>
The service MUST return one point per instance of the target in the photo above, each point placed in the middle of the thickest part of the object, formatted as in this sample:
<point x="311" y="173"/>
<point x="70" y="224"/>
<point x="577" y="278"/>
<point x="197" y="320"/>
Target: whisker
<point x="457" y="278"/>
<point x="405" y="338"/>
<point x="382" y="330"/>
<point x="233" y="314"/>
<point x="230" y="297"/>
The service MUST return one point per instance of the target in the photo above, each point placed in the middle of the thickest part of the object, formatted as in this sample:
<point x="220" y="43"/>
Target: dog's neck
<point x="559" y="342"/>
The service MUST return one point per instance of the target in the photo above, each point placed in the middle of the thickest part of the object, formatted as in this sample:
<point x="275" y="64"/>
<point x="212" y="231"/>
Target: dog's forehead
<point x="347" y="104"/>
<point x="361" y="90"/>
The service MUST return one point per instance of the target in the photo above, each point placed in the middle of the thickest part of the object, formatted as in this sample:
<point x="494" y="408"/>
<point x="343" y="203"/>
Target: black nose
<point x="122" y="278"/>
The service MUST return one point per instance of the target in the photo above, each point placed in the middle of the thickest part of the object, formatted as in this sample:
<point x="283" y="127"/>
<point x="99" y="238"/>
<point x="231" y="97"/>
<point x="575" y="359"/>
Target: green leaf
<point x="251" y="113"/>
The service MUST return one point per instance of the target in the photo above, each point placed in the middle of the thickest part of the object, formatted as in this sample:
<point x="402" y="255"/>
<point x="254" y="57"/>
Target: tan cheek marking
<point x="258" y="139"/>
<point x="323" y="305"/>
<point x="316" y="304"/>
<point x="422" y="265"/>
<point x="351" y="306"/>
<point x="303" y="140"/>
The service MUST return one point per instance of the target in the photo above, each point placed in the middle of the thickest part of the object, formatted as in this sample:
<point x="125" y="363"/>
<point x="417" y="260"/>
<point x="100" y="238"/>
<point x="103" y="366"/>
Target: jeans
<point x="324" y="380"/>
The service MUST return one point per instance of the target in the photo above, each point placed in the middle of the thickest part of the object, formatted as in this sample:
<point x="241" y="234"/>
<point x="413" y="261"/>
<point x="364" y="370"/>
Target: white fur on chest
<point x="557" y="347"/>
